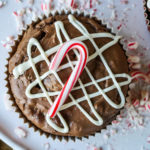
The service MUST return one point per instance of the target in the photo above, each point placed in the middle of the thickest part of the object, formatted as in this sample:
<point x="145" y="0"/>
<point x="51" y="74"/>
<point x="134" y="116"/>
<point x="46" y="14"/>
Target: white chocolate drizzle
<point x="20" y="69"/>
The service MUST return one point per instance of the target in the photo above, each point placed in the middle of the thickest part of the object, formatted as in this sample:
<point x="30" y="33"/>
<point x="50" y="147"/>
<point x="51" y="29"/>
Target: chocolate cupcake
<point x="97" y="96"/>
<point x="147" y="12"/>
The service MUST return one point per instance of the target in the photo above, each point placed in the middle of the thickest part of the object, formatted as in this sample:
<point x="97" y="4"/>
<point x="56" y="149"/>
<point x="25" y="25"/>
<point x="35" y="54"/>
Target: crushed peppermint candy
<point x="30" y="2"/>
<point x="25" y="14"/>
<point x="136" y="103"/>
<point x="119" y="27"/>
<point x="8" y="42"/>
<point x="147" y="106"/>
<point x="134" y="62"/>
<point x="115" y="122"/>
<point x="114" y="15"/>
<point x="133" y="45"/>
<point x="135" y="116"/>
<point x="93" y="147"/>
<point x="8" y="103"/>
<point x="133" y="59"/>
<point x="70" y="3"/>
<point x="97" y="148"/>
<point x="20" y="132"/>
<point x="148" y="139"/>
<point x="19" y="19"/>
<point x="135" y="66"/>
<point x="47" y="6"/>
<point x="106" y="136"/>
<point x="124" y="1"/>
<point x="144" y="97"/>
<point x="46" y="146"/>
<point x="19" y="1"/>
<point x="111" y="6"/>
<point x="113" y="131"/>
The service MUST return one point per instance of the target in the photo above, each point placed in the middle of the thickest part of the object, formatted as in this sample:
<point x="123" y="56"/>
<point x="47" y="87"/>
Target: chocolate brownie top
<point x="35" y="106"/>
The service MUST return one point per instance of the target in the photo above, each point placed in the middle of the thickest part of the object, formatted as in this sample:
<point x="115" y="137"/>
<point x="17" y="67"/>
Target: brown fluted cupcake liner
<point x="146" y="14"/>
<point x="17" y="109"/>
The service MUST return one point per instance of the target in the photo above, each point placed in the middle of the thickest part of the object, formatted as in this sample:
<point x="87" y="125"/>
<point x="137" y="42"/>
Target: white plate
<point x="132" y="140"/>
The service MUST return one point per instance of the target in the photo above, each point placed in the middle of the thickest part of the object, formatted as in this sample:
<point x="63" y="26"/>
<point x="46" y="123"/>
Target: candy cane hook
<point x="74" y="75"/>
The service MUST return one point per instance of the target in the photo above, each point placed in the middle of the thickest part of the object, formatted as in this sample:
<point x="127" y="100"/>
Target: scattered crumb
<point x="133" y="45"/>
<point x="148" y="139"/>
<point x="30" y="2"/>
<point x="8" y="42"/>
<point x="8" y="103"/>
<point x="115" y="122"/>
<point x="114" y="15"/>
<point x="20" y="132"/>
<point x="113" y="131"/>
<point x="93" y="147"/>
<point x="106" y="136"/>
<point x="46" y="146"/>
<point x="19" y="1"/>
<point x="47" y="6"/>
<point x="124" y="1"/>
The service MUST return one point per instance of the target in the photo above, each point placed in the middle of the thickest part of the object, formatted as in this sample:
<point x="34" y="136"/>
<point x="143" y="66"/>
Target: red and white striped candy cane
<point x="74" y="75"/>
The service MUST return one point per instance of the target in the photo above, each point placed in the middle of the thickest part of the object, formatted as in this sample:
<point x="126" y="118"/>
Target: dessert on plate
<point x="94" y="72"/>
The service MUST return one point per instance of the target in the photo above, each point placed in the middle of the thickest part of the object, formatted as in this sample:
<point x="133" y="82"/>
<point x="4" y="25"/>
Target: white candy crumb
<point x="134" y="116"/>
<point x="134" y="59"/>
<point x="148" y="139"/>
<point x="31" y="2"/>
<point x="113" y="15"/>
<point x="34" y="16"/>
<point x="113" y="131"/>
<point x="21" y="133"/>
<point x="19" y="1"/>
<point x="8" y="103"/>
<point x="111" y="6"/>
<point x="124" y="1"/>
<point x="106" y="136"/>
<point x="10" y="38"/>
<point x="47" y="146"/>
<point x="132" y="85"/>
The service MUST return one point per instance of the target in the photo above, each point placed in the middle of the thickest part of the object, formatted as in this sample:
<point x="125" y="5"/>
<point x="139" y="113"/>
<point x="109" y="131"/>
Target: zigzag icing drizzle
<point x="20" y="69"/>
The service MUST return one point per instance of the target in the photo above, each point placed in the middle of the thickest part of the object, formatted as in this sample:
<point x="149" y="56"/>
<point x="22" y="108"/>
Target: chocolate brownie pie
<point x="98" y="95"/>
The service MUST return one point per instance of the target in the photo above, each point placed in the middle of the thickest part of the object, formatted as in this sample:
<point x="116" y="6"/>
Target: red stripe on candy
<point x="80" y="66"/>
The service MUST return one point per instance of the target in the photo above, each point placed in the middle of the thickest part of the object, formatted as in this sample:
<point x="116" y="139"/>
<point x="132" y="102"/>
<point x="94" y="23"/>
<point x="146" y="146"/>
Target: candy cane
<point x="74" y="75"/>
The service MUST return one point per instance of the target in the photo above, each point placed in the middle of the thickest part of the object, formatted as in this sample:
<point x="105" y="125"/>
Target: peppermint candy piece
<point x="140" y="75"/>
<point x="74" y="75"/>
<point x="133" y="45"/>
<point x="20" y="132"/>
